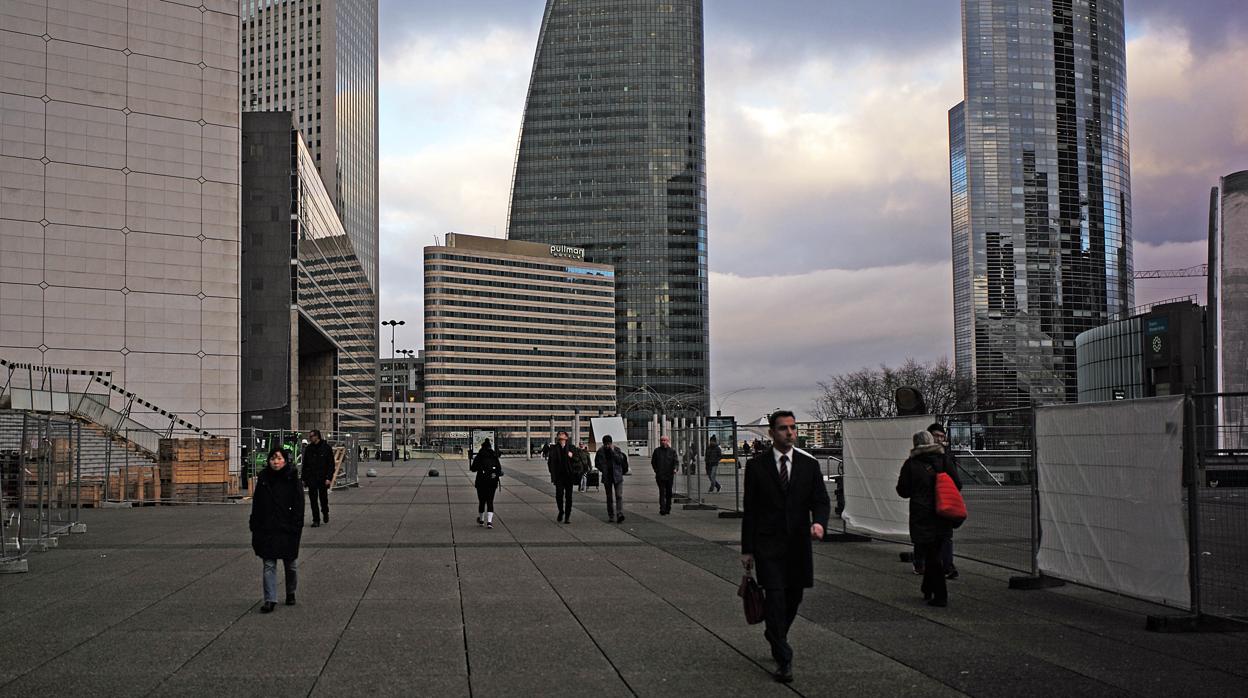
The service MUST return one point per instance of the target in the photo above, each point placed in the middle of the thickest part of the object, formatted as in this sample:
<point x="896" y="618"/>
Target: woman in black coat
<point x="488" y="469"/>
<point x="928" y="531"/>
<point x="277" y="525"/>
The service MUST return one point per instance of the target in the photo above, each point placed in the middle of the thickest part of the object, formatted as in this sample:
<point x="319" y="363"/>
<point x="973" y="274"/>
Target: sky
<point x="827" y="150"/>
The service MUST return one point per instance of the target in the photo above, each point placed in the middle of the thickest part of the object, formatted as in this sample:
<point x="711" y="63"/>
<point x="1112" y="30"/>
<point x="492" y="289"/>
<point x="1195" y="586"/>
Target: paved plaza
<point x="403" y="594"/>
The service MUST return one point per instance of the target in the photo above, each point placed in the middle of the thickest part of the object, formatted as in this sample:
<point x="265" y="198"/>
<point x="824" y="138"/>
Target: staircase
<point x="100" y="454"/>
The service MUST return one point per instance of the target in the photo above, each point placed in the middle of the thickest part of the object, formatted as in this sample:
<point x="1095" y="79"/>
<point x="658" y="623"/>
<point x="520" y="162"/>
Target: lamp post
<point x="406" y="378"/>
<point x="393" y="324"/>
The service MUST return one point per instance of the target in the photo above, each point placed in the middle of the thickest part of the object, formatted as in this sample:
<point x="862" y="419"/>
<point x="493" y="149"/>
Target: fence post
<point x="1036" y="580"/>
<point x="1191" y="474"/>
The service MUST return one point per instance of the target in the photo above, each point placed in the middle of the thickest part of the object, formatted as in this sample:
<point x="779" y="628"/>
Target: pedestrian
<point x="582" y="464"/>
<point x="276" y="525"/>
<point x="785" y="506"/>
<point x="928" y="530"/>
<point x="318" y="474"/>
<point x="714" y="454"/>
<point x="691" y="460"/>
<point x="488" y="469"/>
<point x="664" y="461"/>
<point x="561" y="462"/>
<point x="946" y="549"/>
<point x="613" y="464"/>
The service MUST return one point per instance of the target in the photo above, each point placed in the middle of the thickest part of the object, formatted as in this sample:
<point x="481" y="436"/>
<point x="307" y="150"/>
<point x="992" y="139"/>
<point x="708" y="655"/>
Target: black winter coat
<point x="318" y="463"/>
<point x="277" y="514"/>
<point x="775" y="527"/>
<point x="487" y="467"/>
<point x="917" y="482"/>
<point x="664" y="461"/>
<point x="714" y="454"/>
<point x="562" y="467"/>
<point x="612" y="463"/>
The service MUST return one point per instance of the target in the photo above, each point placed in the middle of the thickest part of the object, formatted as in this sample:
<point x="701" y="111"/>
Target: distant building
<point x="403" y="397"/>
<point x="309" y="345"/>
<point x="1160" y="351"/>
<point x="1228" y="281"/>
<point x="1041" y="196"/>
<point x="612" y="160"/>
<point x="515" y="332"/>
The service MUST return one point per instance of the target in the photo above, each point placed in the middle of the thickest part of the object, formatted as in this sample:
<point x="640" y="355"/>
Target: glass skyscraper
<point x="1041" y="193"/>
<point x="612" y="159"/>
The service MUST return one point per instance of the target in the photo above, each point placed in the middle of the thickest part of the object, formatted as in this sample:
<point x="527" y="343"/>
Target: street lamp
<point x="393" y="324"/>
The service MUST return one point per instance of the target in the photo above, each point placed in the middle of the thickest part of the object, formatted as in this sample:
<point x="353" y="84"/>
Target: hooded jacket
<point x="276" y="521"/>
<point x="917" y="482"/>
<point x="487" y="467"/>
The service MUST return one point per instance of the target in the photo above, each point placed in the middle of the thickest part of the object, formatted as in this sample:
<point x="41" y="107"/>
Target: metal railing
<point x="1219" y="527"/>
<point x="42" y="488"/>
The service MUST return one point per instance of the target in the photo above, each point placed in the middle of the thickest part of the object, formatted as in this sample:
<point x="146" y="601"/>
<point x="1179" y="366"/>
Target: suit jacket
<point x="610" y="462"/>
<point x="664" y="462"/>
<point x="775" y="527"/>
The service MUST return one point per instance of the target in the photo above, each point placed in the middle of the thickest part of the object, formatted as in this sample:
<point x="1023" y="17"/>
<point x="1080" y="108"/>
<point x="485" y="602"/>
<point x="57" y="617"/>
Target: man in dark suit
<point x="318" y="474"/>
<point x="786" y="506"/>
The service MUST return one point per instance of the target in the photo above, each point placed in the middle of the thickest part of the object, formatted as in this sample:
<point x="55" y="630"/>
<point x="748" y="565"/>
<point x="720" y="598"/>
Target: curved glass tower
<point x="1041" y="198"/>
<point x="612" y="159"/>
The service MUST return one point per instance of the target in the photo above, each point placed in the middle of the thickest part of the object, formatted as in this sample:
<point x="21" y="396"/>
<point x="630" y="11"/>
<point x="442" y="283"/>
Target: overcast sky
<point x="827" y="151"/>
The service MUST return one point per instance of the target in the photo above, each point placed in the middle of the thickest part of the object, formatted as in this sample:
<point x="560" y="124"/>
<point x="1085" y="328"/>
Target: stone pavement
<point x="403" y="594"/>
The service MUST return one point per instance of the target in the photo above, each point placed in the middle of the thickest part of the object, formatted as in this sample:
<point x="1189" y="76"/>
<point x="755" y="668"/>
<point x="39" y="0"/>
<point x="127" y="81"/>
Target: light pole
<point x="393" y="324"/>
<point x="406" y="378"/>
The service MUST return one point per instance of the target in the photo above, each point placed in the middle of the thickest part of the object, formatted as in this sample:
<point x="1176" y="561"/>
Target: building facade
<point x="318" y="60"/>
<point x="308" y="337"/>
<point x="1159" y="351"/>
<point x="1041" y="197"/>
<point x="403" y="397"/>
<point x="1228" y="281"/>
<point x="119" y="211"/>
<point x="612" y="160"/>
<point x="518" y="336"/>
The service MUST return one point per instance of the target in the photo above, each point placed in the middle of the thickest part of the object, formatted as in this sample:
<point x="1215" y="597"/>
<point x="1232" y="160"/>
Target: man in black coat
<point x="561" y="461"/>
<point x="318" y="473"/>
<point x="664" y="461"/>
<point x="786" y="506"/>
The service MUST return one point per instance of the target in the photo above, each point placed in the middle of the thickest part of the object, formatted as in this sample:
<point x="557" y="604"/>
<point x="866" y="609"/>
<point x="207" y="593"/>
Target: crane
<point x="1198" y="270"/>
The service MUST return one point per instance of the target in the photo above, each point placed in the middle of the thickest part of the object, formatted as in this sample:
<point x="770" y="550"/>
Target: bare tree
<point x="868" y="392"/>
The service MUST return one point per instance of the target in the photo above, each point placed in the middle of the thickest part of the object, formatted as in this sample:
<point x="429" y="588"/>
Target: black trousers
<point x="665" y="496"/>
<point x="933" y="570"/>
<point x="318" y="499"/>
<point x="563" y="497"/>
<point x="779" y="610"/>
<point x="485" y="497"/>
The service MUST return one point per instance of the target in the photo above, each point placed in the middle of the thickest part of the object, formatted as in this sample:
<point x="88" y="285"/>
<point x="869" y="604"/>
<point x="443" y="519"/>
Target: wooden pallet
<point x="194" y="450"/>
<point x="195" y="472"/>
<point x="186" y="494"/>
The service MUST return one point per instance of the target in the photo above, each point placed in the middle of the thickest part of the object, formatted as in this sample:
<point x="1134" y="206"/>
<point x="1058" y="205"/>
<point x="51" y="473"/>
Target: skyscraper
<point x="612" y="159"/>
<point x="1041" y="196"/>
<point x="318" y="60"/>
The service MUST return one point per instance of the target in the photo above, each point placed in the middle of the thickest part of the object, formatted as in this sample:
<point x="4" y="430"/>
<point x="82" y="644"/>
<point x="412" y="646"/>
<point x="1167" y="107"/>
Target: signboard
<point x="724" y="429"/>
<point x="609" y="426"/>
<point x="1157" y="339"/>
<point x="567" y="252"/>
<point x="387" y="441"/>
<point x="479" y="435"/>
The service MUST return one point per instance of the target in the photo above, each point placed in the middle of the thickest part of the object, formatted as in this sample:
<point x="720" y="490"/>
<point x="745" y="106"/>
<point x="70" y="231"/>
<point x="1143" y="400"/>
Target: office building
<point x="518" y="336"/>
<point x="1228" y="281"/>
<point x="1159" y="350"/>
<point x="403" y="397"/>
<point x="318" y="60"/>
<point x="612" y="160"/>
<point x="1041" y="195"/>
<point x="309" y="346"/>
<point x="119" y="231"/>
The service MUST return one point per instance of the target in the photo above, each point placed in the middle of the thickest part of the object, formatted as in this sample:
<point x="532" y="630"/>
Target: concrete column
<point x="528" y="439"/>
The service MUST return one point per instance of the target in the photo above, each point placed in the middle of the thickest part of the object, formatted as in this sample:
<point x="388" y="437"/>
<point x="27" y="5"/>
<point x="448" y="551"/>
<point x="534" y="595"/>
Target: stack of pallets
<point x="194" y="470"/>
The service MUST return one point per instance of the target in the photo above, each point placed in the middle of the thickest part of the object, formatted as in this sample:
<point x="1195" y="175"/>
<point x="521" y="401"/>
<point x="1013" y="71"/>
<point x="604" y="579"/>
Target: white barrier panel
<point x="1111" y="497"/>
<point x="874" y="452"/>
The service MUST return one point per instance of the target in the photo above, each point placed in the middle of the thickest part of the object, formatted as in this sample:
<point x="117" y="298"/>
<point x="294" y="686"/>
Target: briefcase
<point x="751" y="598"/>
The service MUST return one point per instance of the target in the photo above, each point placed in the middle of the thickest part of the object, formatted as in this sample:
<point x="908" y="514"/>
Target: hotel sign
<point x="567" y="252"/>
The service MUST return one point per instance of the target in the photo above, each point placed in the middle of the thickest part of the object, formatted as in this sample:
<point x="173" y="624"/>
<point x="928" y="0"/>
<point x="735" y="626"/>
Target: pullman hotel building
<point x="518" y="335"/>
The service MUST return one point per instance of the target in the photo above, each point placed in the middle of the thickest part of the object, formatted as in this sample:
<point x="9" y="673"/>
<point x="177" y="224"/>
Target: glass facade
<point x="612" y="159"/>
<point x="318" y="60"/>
<point x="1111" y="362"/>
<point x="1042" y="232"/>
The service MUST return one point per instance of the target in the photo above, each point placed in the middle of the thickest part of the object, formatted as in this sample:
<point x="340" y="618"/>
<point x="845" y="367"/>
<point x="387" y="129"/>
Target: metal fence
<point x="41" y="484"/>
<point x="1219" y="528"/>
<point x="256" y="444"/>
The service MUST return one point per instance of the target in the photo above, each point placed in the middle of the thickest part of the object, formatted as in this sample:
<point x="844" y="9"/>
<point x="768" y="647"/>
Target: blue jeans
<point x="270" y="578"/>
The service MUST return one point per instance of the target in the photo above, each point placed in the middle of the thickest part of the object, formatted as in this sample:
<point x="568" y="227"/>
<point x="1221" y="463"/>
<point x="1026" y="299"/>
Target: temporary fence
<point x="257" y="443"/>
<point x="1146" y="498"/>
<point x="41" y="484"/>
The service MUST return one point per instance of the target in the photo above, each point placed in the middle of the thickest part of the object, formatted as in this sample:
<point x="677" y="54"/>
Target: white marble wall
<point x="119" y="210"/>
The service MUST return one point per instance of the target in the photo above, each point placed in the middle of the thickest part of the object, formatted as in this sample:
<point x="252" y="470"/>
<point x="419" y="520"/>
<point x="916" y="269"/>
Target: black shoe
<point x="316" y="524"/>
<point x="927" y="596"/>
<point x="290" y="599"/>
<point x="952" y="574"/>
<point x="918" y="570"/>
<point x="567" y="519"/>
<point x="326" y="520"/>
<point x="939" y="602"/>
<point x="268" y="607"/>
<point x="620" y="519"/>
<point x="559" y="518"/>
<point x="490" y="525"/>
<point x="784" y="674"/>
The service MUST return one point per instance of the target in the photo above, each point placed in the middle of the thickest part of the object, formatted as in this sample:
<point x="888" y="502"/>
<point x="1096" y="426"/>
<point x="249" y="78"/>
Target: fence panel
<point x="874" y="452"/>
<point x="1111" y="497"/>
<point x="1221" y="438"/>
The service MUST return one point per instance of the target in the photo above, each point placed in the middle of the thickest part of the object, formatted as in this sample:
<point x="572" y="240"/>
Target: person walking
<point x="581" y="460"/>
<point x="714" y="454"/>
<point x="276" y="525"/>
<point x="785" y="506"/>
<point x="928" y="531"/>
<point x="664" y="461"/>
<point x="937" y="430"/>
<point x="561" y="462"/>
<point x="488" y="469"/>
<point x="318" y="475"/>
<point x="613" y="464"/>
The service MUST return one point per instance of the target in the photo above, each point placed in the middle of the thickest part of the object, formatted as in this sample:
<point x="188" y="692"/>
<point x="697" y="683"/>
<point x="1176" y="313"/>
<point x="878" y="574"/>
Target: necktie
<point x="784" y="472"/>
